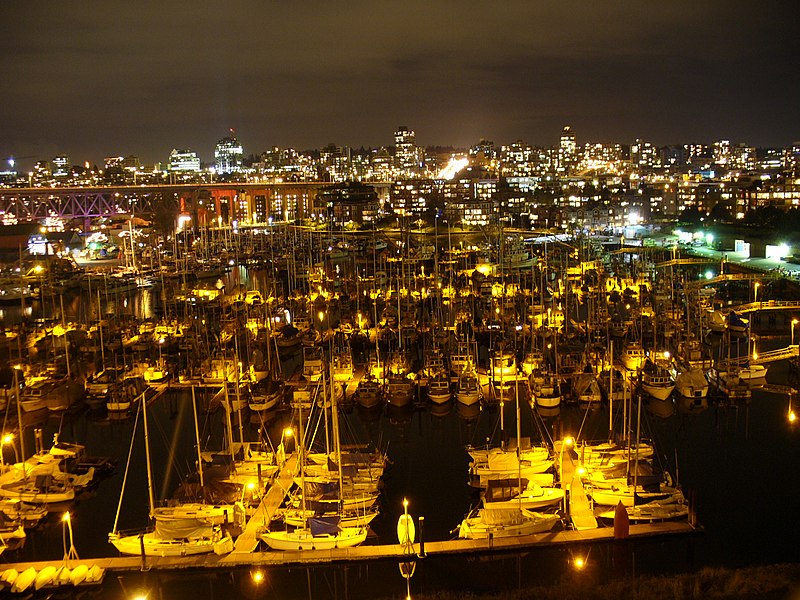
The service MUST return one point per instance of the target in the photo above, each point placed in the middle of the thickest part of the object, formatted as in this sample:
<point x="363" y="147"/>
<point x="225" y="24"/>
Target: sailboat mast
<point x="197" y="439"/>
<point x="147" y="455"/>
<point x="519" y="451"/>
<point x="337" y="442"/>
<point x="611" y="393"/>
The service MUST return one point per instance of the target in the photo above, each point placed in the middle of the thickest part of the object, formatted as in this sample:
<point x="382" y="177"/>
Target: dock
<point x="579" y="508"/>
<point x="274" y="558"/>
<point x="248" y="540"/>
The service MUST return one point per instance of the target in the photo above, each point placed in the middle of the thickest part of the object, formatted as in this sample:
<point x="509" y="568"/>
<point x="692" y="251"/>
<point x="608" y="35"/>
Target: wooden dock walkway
<point x="363" y="553"/>
<point x="248" y="540"/>
<point x="580" y="510"/>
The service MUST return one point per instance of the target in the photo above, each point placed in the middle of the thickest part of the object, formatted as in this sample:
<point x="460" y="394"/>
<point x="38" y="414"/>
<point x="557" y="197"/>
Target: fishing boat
<point x="657" y="381"/>
<point x="691" y="383"/>
<point x="439" y="388"/>
<point x="633" y="356"/>
<point x="468" y="390"/>
<point x="586" y="389"/>
<point x="368" y="392"/>
<point x="545" y="391"/>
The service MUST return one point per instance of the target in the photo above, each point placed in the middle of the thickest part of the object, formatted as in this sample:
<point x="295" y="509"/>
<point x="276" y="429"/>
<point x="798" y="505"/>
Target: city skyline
<point x="96" y="81"/>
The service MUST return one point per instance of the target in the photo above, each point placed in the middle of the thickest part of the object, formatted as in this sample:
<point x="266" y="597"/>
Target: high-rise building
<point x="567" y="151"/>
<point x="722" y="152"/>
<point x="643" y="154"/>
<point x="228" y="155"/>
<point x="405" y="154"/>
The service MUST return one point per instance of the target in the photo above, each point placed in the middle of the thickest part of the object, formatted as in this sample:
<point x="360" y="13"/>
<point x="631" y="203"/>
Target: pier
<point x="372" y="552"/>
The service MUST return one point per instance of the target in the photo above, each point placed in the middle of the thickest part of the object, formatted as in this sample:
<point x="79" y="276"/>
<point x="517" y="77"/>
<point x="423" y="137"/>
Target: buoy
<point x="79" y="574"/>
<point x="24" y="580"/>
<point x="44" y="577"/>
<point x="406" y="532"/>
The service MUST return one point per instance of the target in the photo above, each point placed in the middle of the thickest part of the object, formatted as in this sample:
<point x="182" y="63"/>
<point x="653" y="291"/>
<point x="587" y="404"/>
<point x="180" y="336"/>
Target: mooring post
<point x="141" y="546"/>
<point x="421" y="537"/>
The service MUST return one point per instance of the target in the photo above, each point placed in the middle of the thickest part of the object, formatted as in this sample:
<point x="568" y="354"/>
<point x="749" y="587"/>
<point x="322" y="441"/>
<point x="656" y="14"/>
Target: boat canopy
<point x="504" y="489"/>
<point x="324" y="525"/>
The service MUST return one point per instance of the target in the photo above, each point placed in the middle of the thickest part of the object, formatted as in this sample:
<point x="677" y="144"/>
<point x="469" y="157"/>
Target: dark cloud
<point x="144" y="77"/>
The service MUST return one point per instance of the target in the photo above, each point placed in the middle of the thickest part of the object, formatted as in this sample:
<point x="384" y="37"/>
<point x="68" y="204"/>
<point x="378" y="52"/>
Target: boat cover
<point x="324" y="525"/>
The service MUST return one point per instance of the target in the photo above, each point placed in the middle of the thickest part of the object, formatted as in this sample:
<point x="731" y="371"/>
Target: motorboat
<point x="657" y="381"/>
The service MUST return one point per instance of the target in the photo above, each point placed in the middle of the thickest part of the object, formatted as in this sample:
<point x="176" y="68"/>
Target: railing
<point x="759" y="358"/>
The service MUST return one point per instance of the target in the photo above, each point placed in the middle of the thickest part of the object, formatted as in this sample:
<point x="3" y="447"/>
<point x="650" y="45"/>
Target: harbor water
<point x="736" y="463"/>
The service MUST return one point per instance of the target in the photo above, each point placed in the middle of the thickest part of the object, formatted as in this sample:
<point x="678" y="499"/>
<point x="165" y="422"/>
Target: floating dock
<point x="370" y="552"/>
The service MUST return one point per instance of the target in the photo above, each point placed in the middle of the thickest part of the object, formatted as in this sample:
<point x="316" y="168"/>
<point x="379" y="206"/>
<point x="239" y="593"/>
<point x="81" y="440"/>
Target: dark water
<point x="737" y="464"/>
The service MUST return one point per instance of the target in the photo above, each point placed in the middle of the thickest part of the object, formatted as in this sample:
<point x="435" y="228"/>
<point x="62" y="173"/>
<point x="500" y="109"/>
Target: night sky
<point x="94" y="79"/>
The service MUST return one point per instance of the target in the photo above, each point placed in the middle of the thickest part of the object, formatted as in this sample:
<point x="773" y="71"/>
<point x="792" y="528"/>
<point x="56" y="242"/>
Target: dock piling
<point x="421" y="537"/>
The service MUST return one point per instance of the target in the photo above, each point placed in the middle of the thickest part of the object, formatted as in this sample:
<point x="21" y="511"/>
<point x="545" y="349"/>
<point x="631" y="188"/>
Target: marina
<point x="286" y="359"/>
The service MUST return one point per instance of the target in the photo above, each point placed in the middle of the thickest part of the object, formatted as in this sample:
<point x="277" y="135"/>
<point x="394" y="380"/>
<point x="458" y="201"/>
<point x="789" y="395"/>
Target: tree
<point x="691" y="215"/>
<point x="721" y="212"/>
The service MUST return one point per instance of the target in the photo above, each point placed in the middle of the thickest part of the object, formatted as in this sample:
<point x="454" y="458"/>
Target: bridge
<point x="293" y="199"/>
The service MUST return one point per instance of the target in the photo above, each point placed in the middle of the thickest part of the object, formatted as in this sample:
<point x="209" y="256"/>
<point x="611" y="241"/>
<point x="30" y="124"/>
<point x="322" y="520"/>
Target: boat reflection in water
<point x="440" y="410"/>
<point x="468" y="412"/>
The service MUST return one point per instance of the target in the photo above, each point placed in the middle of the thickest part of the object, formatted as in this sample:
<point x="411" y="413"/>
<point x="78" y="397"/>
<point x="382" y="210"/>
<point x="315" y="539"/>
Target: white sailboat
<point x="176" y="531"/>
<point x="324" y="533"/>
<point x="493" y="520"/>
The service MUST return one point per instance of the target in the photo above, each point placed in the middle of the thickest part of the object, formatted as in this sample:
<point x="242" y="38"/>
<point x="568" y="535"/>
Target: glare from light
<point x="453" y="167"/>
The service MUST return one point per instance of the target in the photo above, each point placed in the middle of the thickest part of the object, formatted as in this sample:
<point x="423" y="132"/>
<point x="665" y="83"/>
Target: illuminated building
<point x="350" y="202"/>
<point x="183" y="161"/>
<point x="414" y="197"/>
<point x="228" y="155"/>
<point x="643" y="154"/>
<point x="335" y="163"/>
<point x="406" y="156"/>
<point x="61" y="166"/>
<point x="567" y="151"/>
<point x="473" y="198"/>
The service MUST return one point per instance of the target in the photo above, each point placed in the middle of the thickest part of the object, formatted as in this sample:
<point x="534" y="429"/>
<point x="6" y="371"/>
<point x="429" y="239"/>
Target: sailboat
<point x="506" y="520"/>
<point x="177" y="531"/>
<point x="323" y="533"/>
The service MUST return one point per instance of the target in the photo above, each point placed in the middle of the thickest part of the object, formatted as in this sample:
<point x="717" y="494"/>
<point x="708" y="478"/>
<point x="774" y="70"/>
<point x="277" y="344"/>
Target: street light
<point x="8" y="439"/>
<point x="72" y="553"/>
<point x="755" y="291"/>
<point x="794" y="322"/>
